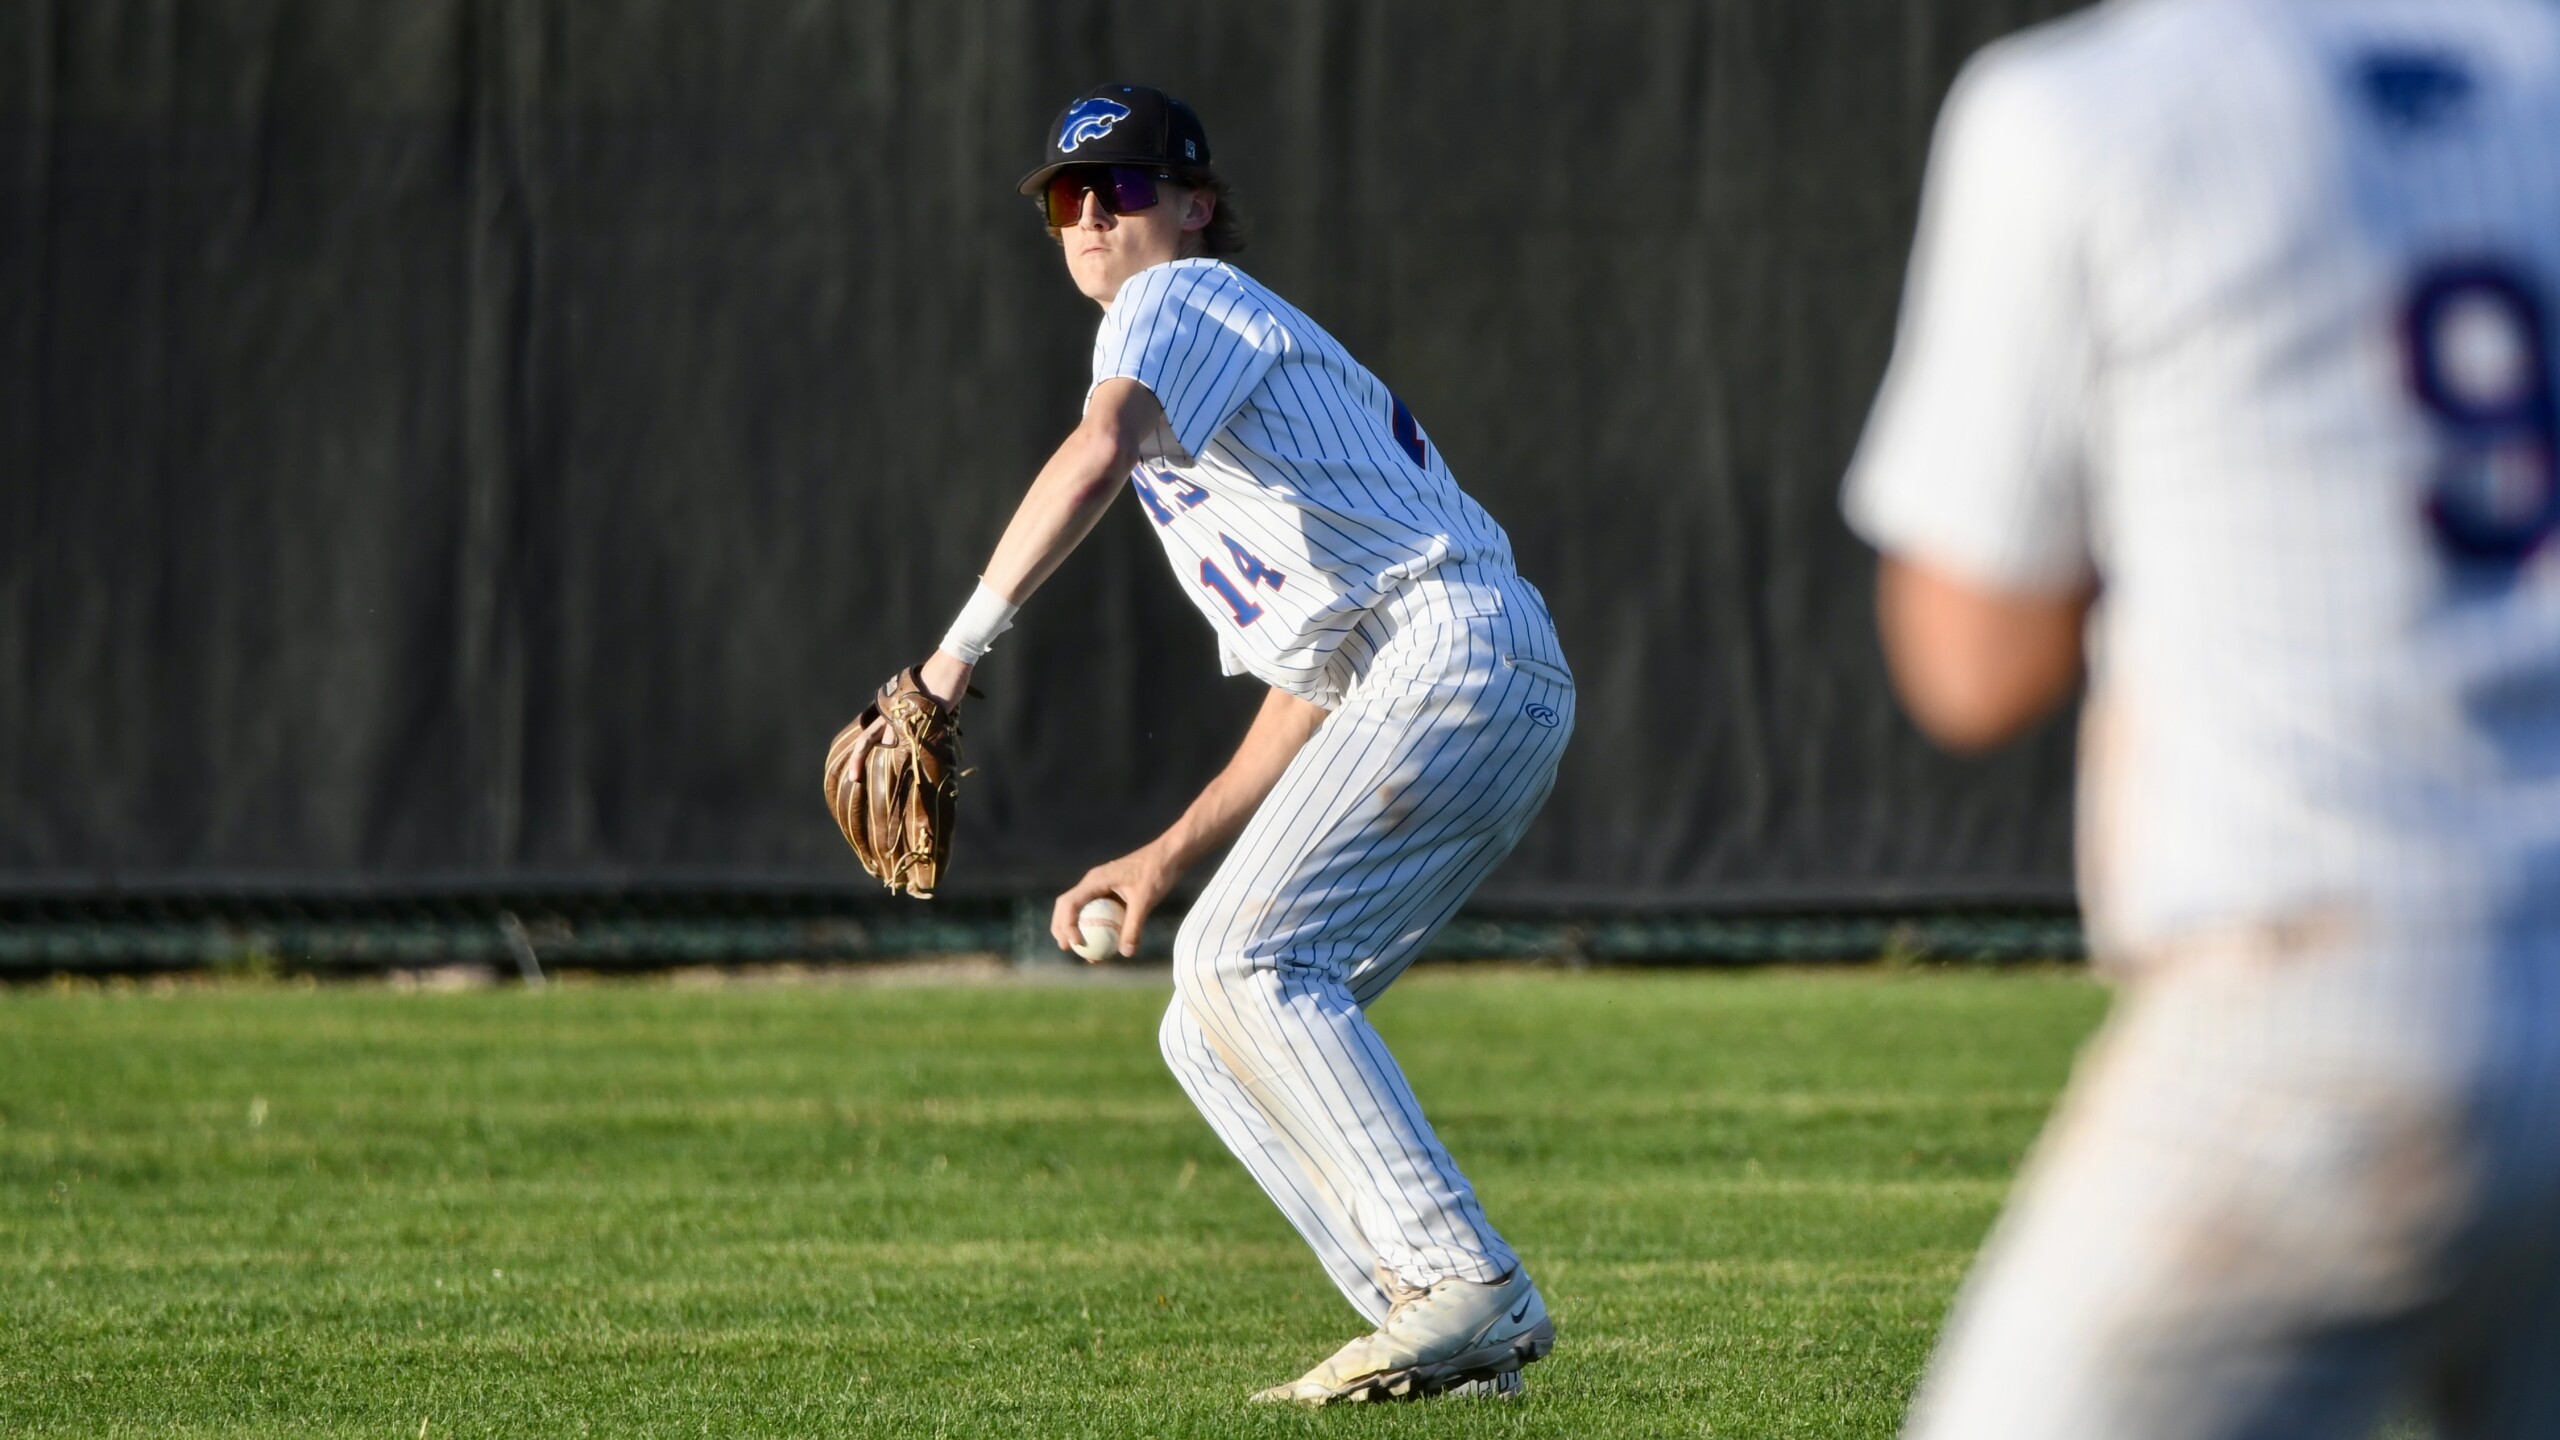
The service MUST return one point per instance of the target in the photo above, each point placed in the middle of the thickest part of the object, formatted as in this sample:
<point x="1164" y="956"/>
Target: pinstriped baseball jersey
<point x="2252" y="307"/>
<point x="1291" y="489"/>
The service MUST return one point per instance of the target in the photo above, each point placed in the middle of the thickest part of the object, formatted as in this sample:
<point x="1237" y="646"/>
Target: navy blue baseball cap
<point x="1123" y="125"/>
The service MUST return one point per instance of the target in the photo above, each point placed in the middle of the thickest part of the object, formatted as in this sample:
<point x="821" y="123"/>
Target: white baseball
<point x="1098" y="923"/>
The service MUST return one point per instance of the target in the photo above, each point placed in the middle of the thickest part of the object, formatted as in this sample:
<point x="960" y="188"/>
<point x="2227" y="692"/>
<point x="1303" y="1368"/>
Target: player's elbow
<point x="1976" y="667"/>
<point x="1964" y="713"/>
<point x="1118" y="417"/>
<point x="1104" y="450"/>
<point x="1087" y="469"/>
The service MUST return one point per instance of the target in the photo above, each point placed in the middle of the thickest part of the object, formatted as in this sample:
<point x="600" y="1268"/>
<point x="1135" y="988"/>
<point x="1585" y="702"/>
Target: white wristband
<point x="986" y="616"/>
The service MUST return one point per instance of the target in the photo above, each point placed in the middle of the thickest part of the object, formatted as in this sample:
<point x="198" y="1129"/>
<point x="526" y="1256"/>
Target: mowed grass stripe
<point x="221" y="1119"/>
<point x="634" y="1210"/>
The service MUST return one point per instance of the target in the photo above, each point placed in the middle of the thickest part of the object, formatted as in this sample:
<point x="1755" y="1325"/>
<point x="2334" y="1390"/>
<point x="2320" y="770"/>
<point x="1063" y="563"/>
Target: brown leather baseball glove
<point x="894" y="787"/>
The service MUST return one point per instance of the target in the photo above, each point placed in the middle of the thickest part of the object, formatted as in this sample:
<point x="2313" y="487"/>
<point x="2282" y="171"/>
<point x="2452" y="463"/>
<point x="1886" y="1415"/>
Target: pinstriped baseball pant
<point x="2297" y="1174"/>
<point x="1408" y="795"/>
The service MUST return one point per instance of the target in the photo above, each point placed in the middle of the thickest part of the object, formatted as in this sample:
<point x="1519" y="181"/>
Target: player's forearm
<point x="1975" y="666"/>
<point x="1280" y="730"/>
<point x="1080" y="481"/>
<point x="1064" y="503"/>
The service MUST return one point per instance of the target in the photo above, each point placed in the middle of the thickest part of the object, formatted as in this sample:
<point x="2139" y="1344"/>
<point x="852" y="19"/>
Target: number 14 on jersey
<point x="1235" y="590"/>
<point x="1239" y="597"/>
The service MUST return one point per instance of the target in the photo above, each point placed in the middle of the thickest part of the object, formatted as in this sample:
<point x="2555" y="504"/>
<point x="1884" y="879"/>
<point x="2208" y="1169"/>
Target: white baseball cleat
<point x="1455" y="1334"/>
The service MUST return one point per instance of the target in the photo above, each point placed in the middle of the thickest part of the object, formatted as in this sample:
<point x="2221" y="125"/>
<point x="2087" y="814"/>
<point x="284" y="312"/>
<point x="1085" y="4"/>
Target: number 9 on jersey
<point x="2479" y="342"/>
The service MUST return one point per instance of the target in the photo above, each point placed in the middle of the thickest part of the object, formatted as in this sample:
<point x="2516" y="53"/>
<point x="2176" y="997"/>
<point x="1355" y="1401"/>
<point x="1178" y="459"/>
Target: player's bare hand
<point x="1137" y="880"/>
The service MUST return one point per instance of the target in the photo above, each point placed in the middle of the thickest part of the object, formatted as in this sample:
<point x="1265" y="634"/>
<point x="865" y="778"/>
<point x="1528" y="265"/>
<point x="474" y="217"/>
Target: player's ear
<point x="1199" y="210"/>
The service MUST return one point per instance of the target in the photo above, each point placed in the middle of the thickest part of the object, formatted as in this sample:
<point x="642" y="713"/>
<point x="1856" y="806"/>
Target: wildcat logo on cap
<point x="1089" y="120"/>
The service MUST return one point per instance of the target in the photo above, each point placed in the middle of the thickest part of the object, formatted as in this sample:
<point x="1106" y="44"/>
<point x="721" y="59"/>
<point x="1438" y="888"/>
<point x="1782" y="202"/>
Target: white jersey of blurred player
<point x="2250" y="311"/>
<point x="1310" y="518"/>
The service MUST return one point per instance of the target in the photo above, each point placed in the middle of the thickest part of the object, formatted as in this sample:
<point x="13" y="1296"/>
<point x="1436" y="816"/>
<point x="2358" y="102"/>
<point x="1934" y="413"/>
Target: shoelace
<point x="1400" y="1296"/>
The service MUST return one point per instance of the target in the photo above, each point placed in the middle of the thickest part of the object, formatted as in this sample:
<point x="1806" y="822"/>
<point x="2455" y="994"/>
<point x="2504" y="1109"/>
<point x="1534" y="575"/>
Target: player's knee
<point x="1195" y="964"/>
<point x="1176" y="1038"/>
<point x="1200" y="965"/>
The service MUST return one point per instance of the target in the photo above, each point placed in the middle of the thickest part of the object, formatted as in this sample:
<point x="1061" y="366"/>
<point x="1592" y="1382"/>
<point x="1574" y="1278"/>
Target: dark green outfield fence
<point x="488" y="446"/>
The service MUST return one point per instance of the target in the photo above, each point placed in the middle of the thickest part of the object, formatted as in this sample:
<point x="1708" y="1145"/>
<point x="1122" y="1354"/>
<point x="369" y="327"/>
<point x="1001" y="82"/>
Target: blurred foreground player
<point x="1418" y="706"/>
<point x="2240" y="320"/>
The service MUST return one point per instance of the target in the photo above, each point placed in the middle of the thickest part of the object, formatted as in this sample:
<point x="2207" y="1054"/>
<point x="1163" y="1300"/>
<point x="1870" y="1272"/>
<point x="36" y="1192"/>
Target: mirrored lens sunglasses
<point x="1120" y="188"/>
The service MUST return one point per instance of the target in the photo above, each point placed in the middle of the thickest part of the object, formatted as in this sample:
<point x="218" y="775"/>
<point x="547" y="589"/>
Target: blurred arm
<point x="1974" y="477"/>
<point x="1065" y="502"/>
<point x="1975" y="665"/>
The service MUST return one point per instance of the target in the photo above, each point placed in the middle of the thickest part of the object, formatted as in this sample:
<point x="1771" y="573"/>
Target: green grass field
<point x="958" y="1210"/>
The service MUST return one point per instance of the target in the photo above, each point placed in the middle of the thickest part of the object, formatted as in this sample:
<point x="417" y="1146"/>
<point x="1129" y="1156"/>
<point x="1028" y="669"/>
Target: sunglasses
<point x="1120" y="188"/>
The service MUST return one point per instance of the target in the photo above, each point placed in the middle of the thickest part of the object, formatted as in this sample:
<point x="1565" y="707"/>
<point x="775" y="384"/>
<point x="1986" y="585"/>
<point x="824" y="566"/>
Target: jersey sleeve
<point x="1197" y="337"/>
<point x="1975" y="457"/>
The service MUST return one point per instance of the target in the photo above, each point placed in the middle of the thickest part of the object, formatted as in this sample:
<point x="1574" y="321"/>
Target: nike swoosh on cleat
<point x="1523" y="1310"/>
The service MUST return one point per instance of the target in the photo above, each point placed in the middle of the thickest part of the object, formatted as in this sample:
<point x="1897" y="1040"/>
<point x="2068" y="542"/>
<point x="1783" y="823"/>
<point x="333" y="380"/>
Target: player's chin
<point x="1096" y="272"/>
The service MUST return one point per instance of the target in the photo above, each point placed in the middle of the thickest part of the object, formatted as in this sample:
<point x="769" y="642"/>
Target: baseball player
<point x="2233" y="340"/>
<point x="1418" y="703"/>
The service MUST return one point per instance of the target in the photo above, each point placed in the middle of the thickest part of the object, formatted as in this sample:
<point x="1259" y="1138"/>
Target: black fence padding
<point x="465" y="442"/>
